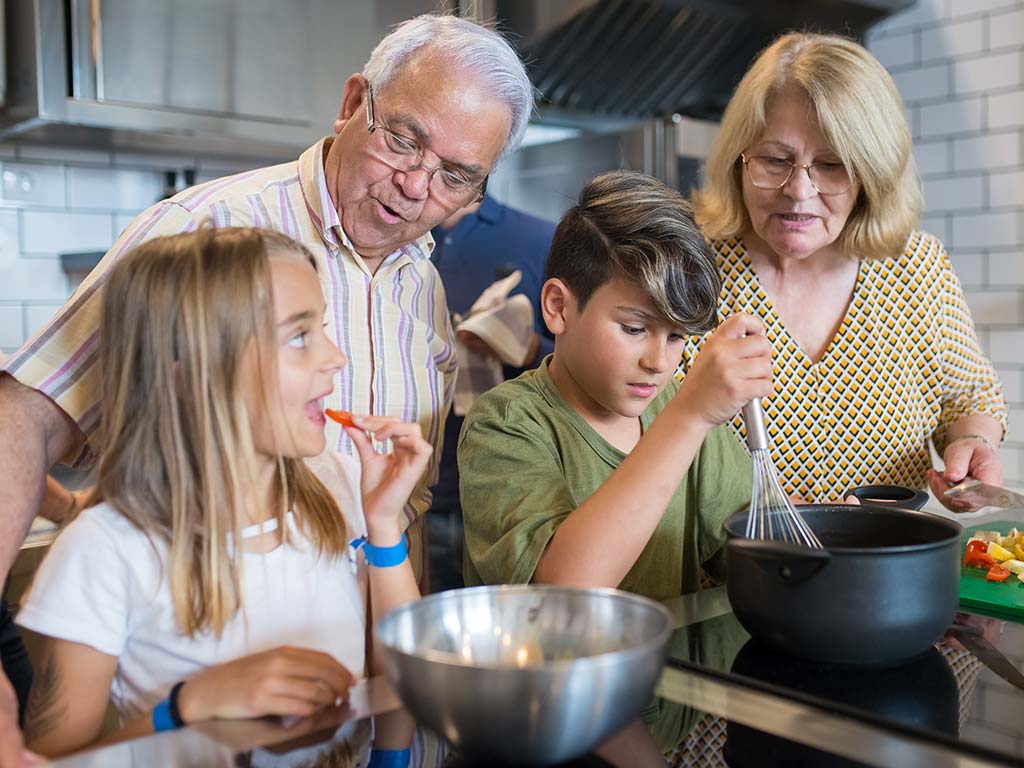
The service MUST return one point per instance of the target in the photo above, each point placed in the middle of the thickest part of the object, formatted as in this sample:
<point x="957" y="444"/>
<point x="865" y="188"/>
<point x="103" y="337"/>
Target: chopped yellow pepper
<point x="1001" y="554"/>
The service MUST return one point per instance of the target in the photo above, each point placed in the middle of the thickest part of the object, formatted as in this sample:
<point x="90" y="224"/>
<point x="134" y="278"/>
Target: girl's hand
<point x="283" y="681"/>
<point x="389" y="478"/>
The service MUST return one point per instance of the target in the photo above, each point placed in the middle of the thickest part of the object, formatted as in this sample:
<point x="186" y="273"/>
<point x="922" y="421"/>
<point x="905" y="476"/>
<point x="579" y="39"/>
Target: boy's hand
<point x="733" y="367"/>
<point x="388" y="479"/>
<point x="284" y="681"/>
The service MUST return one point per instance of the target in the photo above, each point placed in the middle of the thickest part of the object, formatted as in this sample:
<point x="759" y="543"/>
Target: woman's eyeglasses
<point x="766" y="172"/>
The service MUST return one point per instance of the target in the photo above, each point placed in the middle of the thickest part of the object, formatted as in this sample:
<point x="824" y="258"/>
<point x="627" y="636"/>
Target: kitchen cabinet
<point x="259" y="78"/>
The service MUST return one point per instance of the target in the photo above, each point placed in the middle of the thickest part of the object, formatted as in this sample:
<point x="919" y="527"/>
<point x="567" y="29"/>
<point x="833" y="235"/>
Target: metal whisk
<point x="772" y="515"/>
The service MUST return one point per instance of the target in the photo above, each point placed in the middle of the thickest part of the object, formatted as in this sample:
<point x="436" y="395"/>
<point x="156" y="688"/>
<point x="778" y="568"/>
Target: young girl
<point x="218" y="577"/>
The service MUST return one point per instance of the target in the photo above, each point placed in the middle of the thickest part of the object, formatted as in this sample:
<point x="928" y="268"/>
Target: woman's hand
<point x="733" y="367"/>
<point x="284" y="681"/>
<point x="968" y="456"/>
<point x="388" y="479"/>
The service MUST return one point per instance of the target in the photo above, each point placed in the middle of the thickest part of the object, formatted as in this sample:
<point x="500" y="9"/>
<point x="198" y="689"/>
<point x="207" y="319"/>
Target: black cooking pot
<point x="883" y="589"/>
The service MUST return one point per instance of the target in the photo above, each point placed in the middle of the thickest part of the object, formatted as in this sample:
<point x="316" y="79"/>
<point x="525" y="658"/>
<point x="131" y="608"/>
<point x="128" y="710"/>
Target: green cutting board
<point x="1005" y="599"/>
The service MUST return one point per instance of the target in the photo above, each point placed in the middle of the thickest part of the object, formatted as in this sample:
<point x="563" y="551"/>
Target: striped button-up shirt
<point x="393" y="325"/>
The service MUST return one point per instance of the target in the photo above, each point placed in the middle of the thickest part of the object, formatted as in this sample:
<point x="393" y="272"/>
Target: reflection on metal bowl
<point x="525" y="674"/>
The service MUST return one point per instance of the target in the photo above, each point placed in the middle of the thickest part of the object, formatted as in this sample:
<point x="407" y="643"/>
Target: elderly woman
<point x="811" y="201"/>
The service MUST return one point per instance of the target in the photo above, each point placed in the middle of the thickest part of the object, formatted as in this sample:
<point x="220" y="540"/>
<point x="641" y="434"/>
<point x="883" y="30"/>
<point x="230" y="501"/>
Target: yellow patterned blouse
<point x="903" y="366"/>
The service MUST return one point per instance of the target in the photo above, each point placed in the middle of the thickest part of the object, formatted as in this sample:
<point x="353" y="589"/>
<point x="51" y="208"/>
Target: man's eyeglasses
<point x="775" y="172"/>
<point x="403" y="153"/>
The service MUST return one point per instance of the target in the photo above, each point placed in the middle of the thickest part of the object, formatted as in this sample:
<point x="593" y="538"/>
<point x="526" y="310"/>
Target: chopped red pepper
<point x="977" y="546"/>
<point x="998" y="573"/>
<point x="979" y="560"/>
<point x="342" y="417"/>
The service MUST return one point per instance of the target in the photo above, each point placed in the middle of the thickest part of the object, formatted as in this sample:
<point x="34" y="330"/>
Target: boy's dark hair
<point x="630" y="225"/>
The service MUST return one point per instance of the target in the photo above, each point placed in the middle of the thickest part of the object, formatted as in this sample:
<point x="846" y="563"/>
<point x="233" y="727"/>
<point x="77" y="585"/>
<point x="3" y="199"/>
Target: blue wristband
<point x="389" y="758"/>
<point x="382" y="557"/>
<point x="162" y="720"/>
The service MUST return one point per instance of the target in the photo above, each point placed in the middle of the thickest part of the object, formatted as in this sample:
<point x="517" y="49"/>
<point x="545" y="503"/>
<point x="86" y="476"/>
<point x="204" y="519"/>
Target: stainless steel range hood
<point x="258" y="78"/>
<point x="637" y="59"/>
<point x="263" y="78"/>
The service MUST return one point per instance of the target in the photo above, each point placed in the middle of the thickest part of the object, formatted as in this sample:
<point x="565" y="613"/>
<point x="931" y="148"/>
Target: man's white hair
<point x="479" y="51"/>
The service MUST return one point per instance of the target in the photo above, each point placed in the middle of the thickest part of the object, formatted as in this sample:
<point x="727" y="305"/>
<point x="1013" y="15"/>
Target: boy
<point x="598" y="469"/>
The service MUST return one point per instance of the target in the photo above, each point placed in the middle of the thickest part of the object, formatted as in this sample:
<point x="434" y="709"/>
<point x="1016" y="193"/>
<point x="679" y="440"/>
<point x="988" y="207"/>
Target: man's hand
<point x="12" y="748"/>
<point x="475" y="344"/>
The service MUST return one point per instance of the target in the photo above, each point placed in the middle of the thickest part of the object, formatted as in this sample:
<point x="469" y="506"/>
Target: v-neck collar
<point x="751" y="282"/>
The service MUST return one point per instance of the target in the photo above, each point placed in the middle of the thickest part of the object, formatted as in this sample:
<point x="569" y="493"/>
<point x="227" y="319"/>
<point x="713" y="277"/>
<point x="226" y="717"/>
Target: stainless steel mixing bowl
<point x="526" y="674"/>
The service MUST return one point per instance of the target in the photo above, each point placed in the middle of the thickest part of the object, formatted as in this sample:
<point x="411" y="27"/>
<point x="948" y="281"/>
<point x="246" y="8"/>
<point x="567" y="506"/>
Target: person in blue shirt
<point x="473" y="248"/>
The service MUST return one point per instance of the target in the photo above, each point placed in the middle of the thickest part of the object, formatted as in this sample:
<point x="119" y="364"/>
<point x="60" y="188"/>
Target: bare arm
<point x="70" y="690"/>
<point x="604" y="536"/>
<point x="972" y="444"/>
<point x="34" y="434"/>
<point x="387" y="480"/>
<point x="601" y="539"/>
<point x="968" y="429"/>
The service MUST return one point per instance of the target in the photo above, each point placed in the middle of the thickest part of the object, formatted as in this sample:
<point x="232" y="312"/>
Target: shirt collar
<point x="490" y="211"/>
<point x="313" y="182"/>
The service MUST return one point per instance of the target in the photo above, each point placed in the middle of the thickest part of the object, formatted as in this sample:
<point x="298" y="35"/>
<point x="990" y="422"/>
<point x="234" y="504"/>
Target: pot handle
<point x="791" y="563"/>
<point x="889" y="496"/>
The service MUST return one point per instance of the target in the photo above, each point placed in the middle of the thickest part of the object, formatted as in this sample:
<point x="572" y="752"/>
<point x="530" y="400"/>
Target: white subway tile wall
<point x="126" y="190"/>
<point x="950" y="117"/>
<point x="968" y="145"/>
<point x="987" y="151"/>
<point x="1004" y="30"/>
<point x="959" y="65"/>
<point x="933" y="157"/>
<point x="56" y="199"/>
<point x="955" y="194"/>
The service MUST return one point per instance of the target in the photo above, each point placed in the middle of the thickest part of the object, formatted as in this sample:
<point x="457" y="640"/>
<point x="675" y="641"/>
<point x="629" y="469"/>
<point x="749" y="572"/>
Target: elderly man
<point x="439" y="103"/>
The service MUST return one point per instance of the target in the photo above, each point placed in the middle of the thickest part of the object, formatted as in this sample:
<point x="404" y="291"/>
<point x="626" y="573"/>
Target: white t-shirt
<point x="104" y="585"/>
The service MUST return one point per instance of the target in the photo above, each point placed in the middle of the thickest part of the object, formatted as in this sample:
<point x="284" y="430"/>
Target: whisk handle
<point x="757" y="433"/>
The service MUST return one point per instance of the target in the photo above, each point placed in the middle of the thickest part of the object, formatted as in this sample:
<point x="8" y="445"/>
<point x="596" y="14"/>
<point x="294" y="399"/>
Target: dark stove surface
<point x="945" y="694"/>
<point x="587" y="761"/>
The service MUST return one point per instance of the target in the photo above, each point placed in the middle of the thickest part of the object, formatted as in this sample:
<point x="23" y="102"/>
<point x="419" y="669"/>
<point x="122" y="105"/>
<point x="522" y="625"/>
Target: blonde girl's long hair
<point x="179" y="316"/>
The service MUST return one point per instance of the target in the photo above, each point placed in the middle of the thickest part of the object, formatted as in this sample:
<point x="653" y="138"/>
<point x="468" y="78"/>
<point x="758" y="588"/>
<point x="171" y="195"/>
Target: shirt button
<point x="447" y="239"/>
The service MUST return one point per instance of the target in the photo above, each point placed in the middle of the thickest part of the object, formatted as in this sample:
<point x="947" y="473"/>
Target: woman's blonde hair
<point x="862" y="117"/>
<point x="179" y="316"/>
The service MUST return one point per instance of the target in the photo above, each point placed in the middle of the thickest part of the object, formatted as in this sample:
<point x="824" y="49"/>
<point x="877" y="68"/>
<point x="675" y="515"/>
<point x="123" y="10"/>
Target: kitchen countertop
<point x="927" y="713"/>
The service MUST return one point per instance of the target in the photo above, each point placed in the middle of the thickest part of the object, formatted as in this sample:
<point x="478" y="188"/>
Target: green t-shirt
<point x="527" y="460"/>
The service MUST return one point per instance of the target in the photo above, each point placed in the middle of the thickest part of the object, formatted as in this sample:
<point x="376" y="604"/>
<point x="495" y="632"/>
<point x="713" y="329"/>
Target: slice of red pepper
<point x="342" y="417"/>
<point x="977" y="546"/>
<point x="979" y="560"/>
<point x="998" y="573"/>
